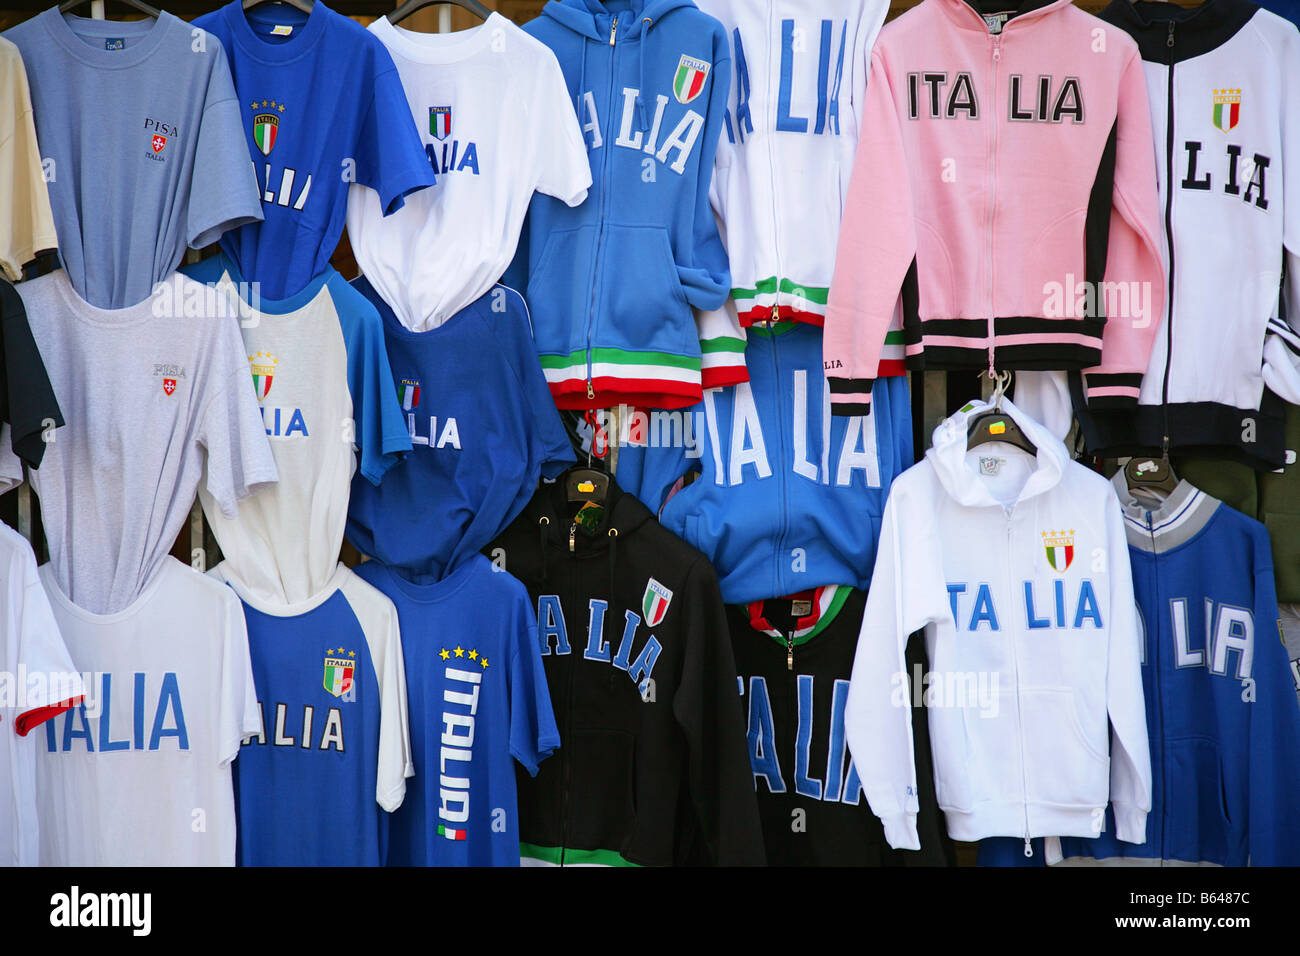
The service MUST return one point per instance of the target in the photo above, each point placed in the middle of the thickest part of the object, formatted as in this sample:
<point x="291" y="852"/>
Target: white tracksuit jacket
<point x="1017" y="568"/>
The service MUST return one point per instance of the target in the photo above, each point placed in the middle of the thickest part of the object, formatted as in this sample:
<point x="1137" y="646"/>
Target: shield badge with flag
<point x="265" y="128"/>
<point x="654" y="603"/>
<point x="689" y="81"/>
<point x="439" y="121"/>
<point x="408" y="392"/>
<point x="1059" y="546"/>
<point x="1227" y="109"/>
<point x="338" y="675"/>
<point x="262" y="365"/>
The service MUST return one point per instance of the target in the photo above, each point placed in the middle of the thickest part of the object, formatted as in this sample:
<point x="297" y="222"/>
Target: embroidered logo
<point x="654" y="603"/>
<point x="1227" y="109"/>
<point x="158" y="143"/>
<point x="689" y="81"/>
<point x="1059" y="546"/>
<point x="262" y="365"/>
<point x="408" y="393"/>
<point x="170" y="375"/>
<point x="339" y="671"/>
<point x="440" y="122"/>
<point x="266" y="124"/>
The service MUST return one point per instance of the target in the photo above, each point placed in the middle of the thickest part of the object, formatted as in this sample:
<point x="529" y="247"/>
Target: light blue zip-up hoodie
<point x="611" y="283"/>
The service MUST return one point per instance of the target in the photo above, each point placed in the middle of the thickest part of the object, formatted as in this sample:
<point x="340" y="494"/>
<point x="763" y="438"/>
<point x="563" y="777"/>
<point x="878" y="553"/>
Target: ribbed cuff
<point x="1130" y="823"/>
<point x="900" y="831"/>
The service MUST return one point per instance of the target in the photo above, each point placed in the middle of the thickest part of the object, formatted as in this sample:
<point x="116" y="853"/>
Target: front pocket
<point x="1065" y="765"/>
<point x="602" y="787"/>
<point x="559" y="291"/>
<point x="641" y="305"/>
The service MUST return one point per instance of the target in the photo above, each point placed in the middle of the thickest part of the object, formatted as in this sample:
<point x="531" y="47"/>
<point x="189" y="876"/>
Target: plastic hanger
<point x="406" y="9"/>
<point x="588" y="483"/>
<point x="303" y="5"/>
<point x="1151" y="476"/>
<point x="995" y="425"/>
<point x="134" y="4"/>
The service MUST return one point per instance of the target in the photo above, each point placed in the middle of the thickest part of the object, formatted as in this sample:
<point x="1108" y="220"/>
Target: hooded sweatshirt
<point x="652" y="769"/>
<point x="612" y="283"/>
<point x="1004" y="172"/>
<point x="1017" y="568"/>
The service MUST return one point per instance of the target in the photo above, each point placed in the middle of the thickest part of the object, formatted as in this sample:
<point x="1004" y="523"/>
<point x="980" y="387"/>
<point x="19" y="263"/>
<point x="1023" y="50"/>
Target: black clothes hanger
<point x="303" y="5"/>
<point x="406" y="9"/>
<point x="589" y="482"/>
<point x="995" y="425"/>
<point x="134" y="4"/>
<point x="1153" y="476"/>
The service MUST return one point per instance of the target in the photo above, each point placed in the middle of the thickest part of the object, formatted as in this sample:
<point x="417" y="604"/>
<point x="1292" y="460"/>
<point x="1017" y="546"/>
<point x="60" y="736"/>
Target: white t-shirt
<point x="36" y="681"/>
<point x="139" y="774"/>
<point x="494" y="113"/>
<point x="153" y="395"/>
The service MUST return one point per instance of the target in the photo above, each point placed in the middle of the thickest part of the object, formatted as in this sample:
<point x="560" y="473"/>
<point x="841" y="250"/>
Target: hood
<point x="1194" y="31"/>
<point x="947" y="455"/>
<point x="591" y="18"/>
<point x="552" y="513"/>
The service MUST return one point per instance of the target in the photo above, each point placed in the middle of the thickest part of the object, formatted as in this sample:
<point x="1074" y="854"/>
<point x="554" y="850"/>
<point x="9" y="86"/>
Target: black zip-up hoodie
<point x="653" y="766"/>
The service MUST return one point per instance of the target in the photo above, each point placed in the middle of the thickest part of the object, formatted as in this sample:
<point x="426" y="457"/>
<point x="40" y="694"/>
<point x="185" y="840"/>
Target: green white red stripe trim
<point x="795" y="301"/>
<point x="645" y="379"/>
<point x="450" y="833"/>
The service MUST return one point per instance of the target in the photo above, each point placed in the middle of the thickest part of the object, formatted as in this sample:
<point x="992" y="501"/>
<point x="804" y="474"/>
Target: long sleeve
<point x="1131" y="259"/>
<point x="1282" y="341"/>
<point x="907" y="592"/>
<point x="877" y="247"/>
<point x="1130" y="752"/>
<point x="708" y="710"/>
<point x="1273" y="816"/>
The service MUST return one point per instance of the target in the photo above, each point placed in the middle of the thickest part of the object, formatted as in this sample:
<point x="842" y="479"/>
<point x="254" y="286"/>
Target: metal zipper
<point x="604" y="189"/>
<point x="1153" y="647"/>
<point x="1020" y="723"/>
<point x="993" y="197"/>
<point x="770" y="133"/>
<point x="1169" y="237"/>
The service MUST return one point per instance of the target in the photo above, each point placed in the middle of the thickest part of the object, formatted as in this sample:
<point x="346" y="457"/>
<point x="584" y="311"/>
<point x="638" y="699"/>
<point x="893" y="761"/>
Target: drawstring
<point x="640" y="102"/>
<point x="613" y="559"/>
<point x="542" y="522"/>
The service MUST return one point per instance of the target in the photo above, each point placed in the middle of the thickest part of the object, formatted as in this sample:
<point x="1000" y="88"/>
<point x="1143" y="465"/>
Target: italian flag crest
<point x="408" y="392"/>
<point x="338" y="675"/>
<point x="654" y="603"/>
<point x="1227" y="109"/>
<point x="689" y="81"/>
<point x="439" y="121"/>
<point x="262" y="365"/>
<point x="265" y="127"/>
<point x="1059" y="546"/>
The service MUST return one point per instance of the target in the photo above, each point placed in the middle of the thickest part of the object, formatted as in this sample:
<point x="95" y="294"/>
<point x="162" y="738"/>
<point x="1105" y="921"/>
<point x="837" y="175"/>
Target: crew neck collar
<point x="123" y="318"/>
<point x="287" y="309"/>
<point x="259" y="602"/>
<point x="433" y="591"/>
<point x="54" y="590"/>
<point x="300" y="42"/>
<point x="436" y="48"/>
<point x="67" y="30"/>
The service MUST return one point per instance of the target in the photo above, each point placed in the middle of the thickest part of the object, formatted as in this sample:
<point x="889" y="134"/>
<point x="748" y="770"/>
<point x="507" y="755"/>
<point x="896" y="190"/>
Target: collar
<point x="1195" y="30"/>
<point x="967" y="14"/>
<point x="1173" y="523"/>
<point x="824" y="604"/>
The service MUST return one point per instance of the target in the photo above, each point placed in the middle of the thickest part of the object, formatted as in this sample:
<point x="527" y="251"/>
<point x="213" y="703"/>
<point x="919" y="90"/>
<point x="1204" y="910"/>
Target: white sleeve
<point x="40" y="645"/>
<point x="565" y="170"/>
<point x="11" y="468"/>
<point x="1130" y="753"/>
<point x="239" y="718"/>
<point x="1282" y="340"/>
<point x="907" y="592"/>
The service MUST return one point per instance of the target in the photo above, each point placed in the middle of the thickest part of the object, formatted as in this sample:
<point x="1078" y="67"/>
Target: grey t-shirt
<point x="157" y="398"/>
<point x="140" y="136"/>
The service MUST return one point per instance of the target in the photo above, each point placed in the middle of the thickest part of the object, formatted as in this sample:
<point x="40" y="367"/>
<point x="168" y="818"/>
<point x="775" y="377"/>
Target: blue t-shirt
<point x="483" y="426"/>
<point x="477" y="697"/>
<point x="334" y="753"/>
<point x="322" y="107"/>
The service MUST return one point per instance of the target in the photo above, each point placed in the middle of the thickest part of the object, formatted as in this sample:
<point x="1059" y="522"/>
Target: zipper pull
<point x="1169" y="40"/>
<point x="776" y="313"/>
<point x="591" y="391"/>
<point x="997" y="48"/>
<point x="1029" y="847"/>
<point x="573" y="530"/>
<point x="789" y="651"/>
<point x="613" y="29"/>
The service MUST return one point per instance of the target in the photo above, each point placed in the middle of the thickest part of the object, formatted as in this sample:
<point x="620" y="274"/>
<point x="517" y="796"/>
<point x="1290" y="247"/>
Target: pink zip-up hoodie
<point x="1003" y="203"/>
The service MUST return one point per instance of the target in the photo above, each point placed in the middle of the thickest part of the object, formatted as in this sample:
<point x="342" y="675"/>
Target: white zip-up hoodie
<point x="1017" y="568"/>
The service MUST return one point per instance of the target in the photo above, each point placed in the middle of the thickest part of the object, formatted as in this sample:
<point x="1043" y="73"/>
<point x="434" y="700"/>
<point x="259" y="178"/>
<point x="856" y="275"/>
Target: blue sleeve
<point x="380" y="431"/>
<point x="549" y="445"/>
<point x="1274" y="812"/>
<point x="390" y="158"/>
<point x="533" y="733"/>
<point x="706" y="278"/>
<point x="900" y="399"/>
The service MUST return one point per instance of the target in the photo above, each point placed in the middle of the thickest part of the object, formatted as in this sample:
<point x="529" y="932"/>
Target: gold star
<point x="473" y="655"/>
<point x="483" y="661"/>
<point x="352" y="653"/>
<point x="281" y="107"/>
<point x="253" y="105"/>
<point x="263" y="102"/>
<point x="444" y="655"/>
<point x="460" y="652"/>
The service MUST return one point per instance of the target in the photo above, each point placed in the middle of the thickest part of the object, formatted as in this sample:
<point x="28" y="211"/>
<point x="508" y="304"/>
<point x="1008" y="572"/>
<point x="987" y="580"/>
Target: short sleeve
<point x="239" y="459"/>
<point x="239" y="718"/>
<point x="223" y="188"/>
<point x="395" y="763"/>
<point x="390" y="158"/>
<point x="40" y="645"/>
<point x="549" y="442"/>
<point x="533" y="733"/>
<point x="28" y="403"/>
<point x="24" y="200"/>
<point x="380" y="430"/>
<point x="565" y="170"/>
